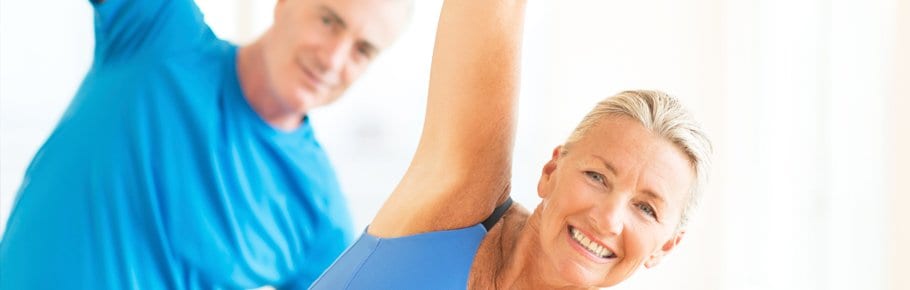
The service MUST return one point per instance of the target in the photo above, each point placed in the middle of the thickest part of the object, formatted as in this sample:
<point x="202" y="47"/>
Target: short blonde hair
<point x="664" y="116"/>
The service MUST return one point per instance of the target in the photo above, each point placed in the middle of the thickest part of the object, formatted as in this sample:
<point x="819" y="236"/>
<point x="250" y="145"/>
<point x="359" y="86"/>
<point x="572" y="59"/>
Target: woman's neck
<point x="517" y="269"/>
<point x="520" y="267"/>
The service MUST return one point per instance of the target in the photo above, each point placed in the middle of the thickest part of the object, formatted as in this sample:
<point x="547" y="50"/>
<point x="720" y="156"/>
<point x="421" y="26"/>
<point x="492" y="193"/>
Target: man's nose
<point x="333" y="55"/>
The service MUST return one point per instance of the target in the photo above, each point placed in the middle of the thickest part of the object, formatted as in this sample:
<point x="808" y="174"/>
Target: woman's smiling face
<point x="611" y="203"/>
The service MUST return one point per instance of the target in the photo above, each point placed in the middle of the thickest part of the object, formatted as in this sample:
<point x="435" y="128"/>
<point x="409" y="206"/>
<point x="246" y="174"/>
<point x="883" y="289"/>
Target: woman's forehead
<point x="623" y="147"/>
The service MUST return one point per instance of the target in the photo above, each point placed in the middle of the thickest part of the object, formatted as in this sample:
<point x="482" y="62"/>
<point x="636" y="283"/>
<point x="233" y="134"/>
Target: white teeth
<point x="589" y="245"/>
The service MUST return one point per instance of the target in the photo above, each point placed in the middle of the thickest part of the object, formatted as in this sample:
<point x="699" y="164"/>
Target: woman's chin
<point x="580" y="275"/>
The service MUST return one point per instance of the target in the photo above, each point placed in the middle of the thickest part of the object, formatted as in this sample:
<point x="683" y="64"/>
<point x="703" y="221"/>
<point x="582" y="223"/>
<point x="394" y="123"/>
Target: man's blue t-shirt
<point x="161" y="176"/>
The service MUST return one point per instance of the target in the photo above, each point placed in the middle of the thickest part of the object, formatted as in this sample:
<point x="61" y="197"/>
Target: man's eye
<point x="327" y="21"/>
<point x="365" y="51"/>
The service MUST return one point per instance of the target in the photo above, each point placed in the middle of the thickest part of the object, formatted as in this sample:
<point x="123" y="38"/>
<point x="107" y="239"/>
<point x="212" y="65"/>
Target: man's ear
<point x="668" y="246"/>
<point x="277" y="8"/>
<point x="547" y="173"/>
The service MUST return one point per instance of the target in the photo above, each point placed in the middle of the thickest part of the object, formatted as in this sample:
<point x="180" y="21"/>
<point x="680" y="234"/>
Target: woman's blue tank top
<point x="434" y="260"/>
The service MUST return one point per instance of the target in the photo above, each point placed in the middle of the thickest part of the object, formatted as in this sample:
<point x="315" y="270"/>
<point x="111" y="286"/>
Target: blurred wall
<point x="899" y="164"/>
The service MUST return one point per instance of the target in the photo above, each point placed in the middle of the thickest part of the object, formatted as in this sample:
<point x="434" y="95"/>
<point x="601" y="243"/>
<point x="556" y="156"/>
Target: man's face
<point x="317" y="48"/>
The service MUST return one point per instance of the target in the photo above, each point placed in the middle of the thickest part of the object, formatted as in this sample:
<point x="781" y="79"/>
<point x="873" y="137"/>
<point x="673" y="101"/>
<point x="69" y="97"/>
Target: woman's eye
<point x="647" y="209"/>
<point x="595" y="176"/>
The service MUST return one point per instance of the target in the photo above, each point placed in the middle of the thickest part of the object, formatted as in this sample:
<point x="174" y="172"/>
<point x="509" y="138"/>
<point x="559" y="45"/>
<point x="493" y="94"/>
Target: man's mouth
<point x="317" y="83"/>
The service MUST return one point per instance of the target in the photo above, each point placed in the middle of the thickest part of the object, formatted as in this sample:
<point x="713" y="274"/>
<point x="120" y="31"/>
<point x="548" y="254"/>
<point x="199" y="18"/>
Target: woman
<point x="615" y="196"/>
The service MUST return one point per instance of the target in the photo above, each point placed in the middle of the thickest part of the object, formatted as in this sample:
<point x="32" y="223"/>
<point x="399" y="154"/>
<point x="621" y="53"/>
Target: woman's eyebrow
<point x="654" y="195"/>
<point x="607" y="164"/>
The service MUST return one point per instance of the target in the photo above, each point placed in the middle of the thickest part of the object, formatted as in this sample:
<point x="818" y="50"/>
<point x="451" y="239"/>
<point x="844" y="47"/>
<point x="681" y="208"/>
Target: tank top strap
<point x="497" y="214"/>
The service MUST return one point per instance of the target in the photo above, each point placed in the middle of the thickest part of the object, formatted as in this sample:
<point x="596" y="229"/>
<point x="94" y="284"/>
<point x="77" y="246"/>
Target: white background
<point x="807" y="103"/>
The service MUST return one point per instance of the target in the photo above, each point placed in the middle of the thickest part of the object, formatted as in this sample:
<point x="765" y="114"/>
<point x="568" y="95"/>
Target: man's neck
<point x="254" y="82"/>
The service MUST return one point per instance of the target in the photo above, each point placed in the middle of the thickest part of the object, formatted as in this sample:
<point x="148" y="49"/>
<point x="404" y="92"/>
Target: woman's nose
<point x="609" y="216"/>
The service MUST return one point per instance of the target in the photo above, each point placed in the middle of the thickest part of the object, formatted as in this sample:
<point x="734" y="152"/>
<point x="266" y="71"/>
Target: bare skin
<point x="492" y="268"/>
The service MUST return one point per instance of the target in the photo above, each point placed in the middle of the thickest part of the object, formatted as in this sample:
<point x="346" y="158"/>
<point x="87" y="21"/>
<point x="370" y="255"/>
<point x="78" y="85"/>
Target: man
<point x="185" y="162"/>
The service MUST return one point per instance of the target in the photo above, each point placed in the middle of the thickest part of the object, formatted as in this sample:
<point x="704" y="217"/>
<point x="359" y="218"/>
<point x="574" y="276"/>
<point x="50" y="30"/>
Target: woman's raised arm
<point x="462" y="167"/>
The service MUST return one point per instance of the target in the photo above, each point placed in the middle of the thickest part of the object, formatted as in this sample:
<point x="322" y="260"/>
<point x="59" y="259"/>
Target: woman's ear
<point x="542" y="186"/>
<point x="668" y="246"/>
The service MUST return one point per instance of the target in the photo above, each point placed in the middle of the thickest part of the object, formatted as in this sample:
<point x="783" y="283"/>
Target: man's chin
<point x="305" y="101"/>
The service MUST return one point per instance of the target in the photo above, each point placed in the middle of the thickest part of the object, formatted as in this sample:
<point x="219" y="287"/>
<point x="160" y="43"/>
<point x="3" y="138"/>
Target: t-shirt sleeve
<point x="324" y="252"/>
<point x="150" y="28"/>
